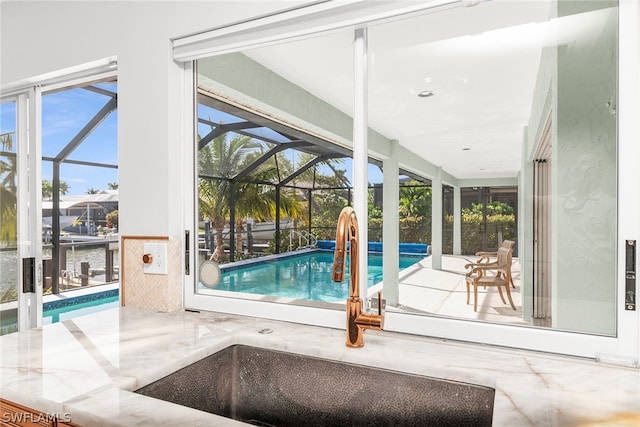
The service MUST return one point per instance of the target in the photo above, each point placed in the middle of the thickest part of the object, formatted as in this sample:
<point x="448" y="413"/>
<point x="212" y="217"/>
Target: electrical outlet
<point x="156" y="254"/>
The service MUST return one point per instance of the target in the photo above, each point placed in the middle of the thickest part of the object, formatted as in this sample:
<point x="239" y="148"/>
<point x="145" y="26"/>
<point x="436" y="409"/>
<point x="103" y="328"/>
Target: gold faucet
<point x="357" y="321"/>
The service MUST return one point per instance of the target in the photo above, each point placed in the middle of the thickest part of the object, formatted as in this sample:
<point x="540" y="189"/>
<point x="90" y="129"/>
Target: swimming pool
<point x="306" y="276"/>
<point x="68" y="308"/>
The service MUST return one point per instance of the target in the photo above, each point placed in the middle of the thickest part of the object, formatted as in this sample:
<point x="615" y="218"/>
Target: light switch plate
<point x="158" y="252"/>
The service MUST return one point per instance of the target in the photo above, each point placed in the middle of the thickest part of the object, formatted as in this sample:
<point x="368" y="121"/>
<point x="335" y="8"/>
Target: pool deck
<point x="422" y="290"/>
<point x="443" y="292"/>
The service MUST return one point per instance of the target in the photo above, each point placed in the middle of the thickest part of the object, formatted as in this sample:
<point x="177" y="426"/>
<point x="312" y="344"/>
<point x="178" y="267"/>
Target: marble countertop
<point x="88" y="367"/>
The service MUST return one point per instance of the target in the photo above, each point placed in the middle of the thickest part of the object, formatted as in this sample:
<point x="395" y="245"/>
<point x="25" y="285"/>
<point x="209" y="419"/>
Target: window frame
<point x="624" y="348"/>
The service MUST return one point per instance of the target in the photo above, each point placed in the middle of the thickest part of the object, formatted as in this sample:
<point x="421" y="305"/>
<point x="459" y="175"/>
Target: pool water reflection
<point x="305" y="276"/>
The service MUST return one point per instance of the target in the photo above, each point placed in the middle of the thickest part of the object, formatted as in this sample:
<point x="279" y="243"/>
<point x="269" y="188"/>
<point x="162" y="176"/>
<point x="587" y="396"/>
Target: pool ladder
<point x="309" y="240"/>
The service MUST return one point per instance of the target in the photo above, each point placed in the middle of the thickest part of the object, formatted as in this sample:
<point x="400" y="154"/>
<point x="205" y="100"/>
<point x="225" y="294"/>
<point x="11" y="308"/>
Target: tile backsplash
<point x="157" y="292"/>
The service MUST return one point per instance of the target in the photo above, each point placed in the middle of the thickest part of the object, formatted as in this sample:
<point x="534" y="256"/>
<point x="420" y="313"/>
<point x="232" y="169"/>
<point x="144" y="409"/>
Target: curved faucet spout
<point x="347" y="232"/>
<point x="357" y="321"/>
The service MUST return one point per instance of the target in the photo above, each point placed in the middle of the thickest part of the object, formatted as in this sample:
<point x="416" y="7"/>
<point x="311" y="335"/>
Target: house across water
<point x="80" y="214"/>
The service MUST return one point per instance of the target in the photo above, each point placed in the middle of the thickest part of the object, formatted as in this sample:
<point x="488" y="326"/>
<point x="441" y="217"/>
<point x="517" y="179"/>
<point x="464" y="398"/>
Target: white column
<point x="360" y="151"/>
<point x="390" y="226"/>
<point x="457" y="221"/>
<point x="436" y="221"/>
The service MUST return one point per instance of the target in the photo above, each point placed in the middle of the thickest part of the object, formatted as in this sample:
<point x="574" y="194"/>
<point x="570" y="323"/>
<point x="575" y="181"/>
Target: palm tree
<point x="222" y="160"/>
<point x="64" y="188"/>
<point x="47" y="189"/>
<point x="252" y="201"/>
<point x="258" y="201"/>
<point x="215" y="208"/>
<point x="92" y="190"/>
<point x="112" y="185"/>
<point x="218" y="162"/>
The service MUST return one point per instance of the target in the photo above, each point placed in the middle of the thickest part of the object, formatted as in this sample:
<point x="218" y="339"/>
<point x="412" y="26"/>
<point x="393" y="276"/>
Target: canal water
<point x="96" y="258"/>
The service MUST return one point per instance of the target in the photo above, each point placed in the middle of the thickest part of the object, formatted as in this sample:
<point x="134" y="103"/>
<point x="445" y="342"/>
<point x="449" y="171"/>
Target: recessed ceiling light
<point x="425" y="94"/>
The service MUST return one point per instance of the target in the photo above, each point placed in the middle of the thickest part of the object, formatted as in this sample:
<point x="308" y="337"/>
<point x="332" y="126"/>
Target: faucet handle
<point x="377" y="303"/>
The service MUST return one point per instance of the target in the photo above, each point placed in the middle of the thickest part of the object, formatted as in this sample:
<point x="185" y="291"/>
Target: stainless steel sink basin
<point x="273" y="388"/>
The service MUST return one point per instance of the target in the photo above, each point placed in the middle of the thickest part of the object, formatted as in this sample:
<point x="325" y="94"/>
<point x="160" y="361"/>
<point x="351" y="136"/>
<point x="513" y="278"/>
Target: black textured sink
<point x="273" y="388"/>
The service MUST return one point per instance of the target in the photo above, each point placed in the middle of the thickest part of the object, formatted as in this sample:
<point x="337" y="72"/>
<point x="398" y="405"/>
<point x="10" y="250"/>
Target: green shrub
<point x="473" y="230"/>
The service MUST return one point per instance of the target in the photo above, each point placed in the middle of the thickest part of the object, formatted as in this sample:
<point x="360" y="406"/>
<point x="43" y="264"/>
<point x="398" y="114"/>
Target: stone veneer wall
<point x="157" y="292"/>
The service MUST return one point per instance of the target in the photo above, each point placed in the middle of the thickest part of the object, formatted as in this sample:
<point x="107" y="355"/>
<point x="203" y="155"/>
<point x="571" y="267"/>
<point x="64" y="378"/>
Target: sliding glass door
<point x="75" y="142"/>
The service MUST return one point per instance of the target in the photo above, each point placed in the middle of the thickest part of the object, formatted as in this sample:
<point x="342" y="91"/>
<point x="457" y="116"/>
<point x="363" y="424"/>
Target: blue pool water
<point x="66" y="308"/>
<point x="306" y="276"/>
<point x="58" y="311"/>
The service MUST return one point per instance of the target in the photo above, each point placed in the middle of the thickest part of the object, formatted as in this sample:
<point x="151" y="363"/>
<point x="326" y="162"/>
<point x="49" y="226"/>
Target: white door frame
<point x="29" y="205"/>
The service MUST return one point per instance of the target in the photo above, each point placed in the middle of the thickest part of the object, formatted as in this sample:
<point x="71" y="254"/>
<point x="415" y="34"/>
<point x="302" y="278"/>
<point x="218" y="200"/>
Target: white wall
<point x="43" y="37"/>
<point x="575" y="90"/>
<point x="586" y="178"/>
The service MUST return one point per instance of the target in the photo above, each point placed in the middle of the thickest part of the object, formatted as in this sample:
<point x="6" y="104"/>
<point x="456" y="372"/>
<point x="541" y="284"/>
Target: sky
<point x="374" y="173"/>
<point x="7" y="118"/>
<point x="66" y="112"/>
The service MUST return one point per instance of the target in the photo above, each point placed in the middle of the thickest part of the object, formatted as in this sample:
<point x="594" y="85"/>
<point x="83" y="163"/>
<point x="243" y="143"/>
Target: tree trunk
<point x="239" y="236"/>
<point x="218" y="225"/>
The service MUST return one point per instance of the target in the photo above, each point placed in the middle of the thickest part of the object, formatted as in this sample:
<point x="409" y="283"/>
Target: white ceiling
<point x="481" y="63"/>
